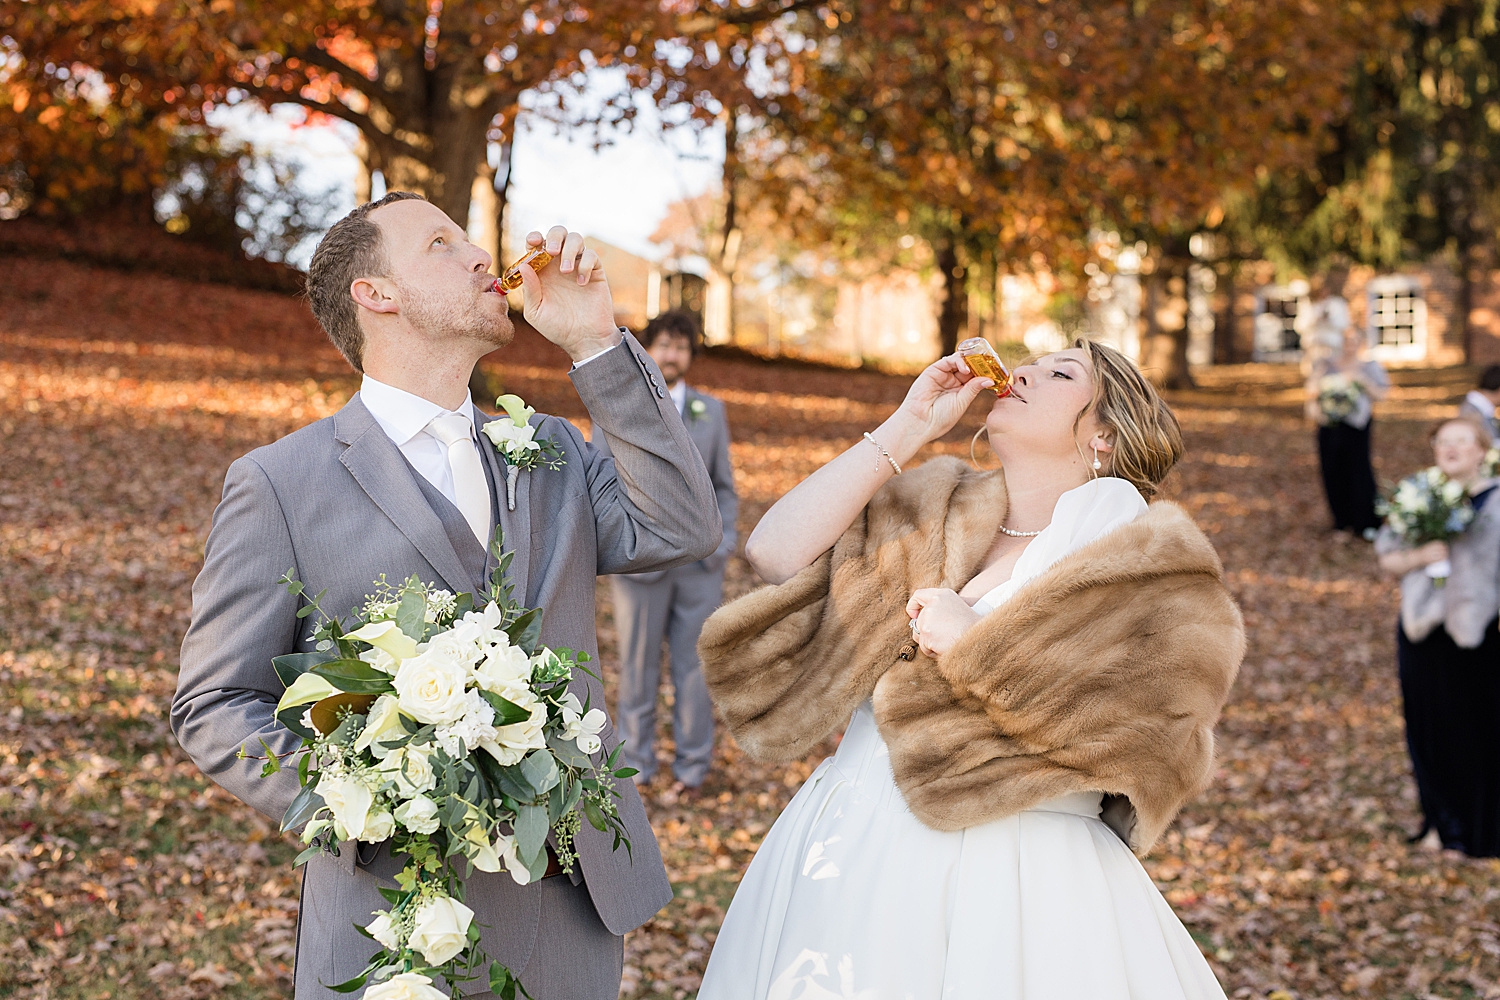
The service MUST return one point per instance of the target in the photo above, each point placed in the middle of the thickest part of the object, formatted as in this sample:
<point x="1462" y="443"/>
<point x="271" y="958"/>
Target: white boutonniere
<point x="696" y="409"/>
<point x="516" y="440"/>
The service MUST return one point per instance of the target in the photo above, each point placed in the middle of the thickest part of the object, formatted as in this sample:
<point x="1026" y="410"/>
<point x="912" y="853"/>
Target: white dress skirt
<point x="851" y="896"/>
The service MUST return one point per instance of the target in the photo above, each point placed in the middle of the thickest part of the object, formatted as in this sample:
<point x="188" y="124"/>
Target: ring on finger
<point x="916" y="632"/>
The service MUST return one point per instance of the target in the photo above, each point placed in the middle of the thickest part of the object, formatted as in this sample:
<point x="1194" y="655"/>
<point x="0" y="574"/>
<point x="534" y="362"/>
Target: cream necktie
<point x="471" y="493"/>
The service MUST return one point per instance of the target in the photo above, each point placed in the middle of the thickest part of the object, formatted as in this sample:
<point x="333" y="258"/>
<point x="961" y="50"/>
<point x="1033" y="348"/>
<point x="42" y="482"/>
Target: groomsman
<point x="673" y="604"/>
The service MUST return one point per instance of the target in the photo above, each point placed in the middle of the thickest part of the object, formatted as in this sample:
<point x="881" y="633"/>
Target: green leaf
<point x="354" y="676"/>
<point x="350" y="985"/>
<point x="526" y="631"/>
<point x="303" y="766"/>
<point x="292" y="665"/>
<point x="595" y="816"/>
<point x="462" y="605"/>
<point x="307" y="855"/>
<point x="292" y="719"/>
<point x="540" y="770"/>
<point x="507" y="713"/>
<point x="303" y="807"/>
<point x="513" y="783"/>
<point x="273" y="762"/>
<point x="392" y="896"/>
<point x="500" y="977"/>
<point x="627" y="772"/>
<point x="531" y="833"/>
<point x="567" y="751"/>
<point x="411" y="613"/>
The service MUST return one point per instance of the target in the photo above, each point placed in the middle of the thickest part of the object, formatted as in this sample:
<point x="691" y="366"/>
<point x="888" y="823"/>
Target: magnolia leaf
<point x="353" y="676"/>
<point x="303" y="807"/>
<point x="326" y="715"/>
<point x="526" y="631"/>
<point x="293" y="665"/>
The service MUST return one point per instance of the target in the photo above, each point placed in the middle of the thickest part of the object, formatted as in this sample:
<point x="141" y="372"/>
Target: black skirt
<point x="1451" y="699"/>
<point x="1348" y="479"/>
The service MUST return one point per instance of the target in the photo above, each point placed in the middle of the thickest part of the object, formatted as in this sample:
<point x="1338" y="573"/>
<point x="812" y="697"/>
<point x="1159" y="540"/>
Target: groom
<point x="400" y="482"/>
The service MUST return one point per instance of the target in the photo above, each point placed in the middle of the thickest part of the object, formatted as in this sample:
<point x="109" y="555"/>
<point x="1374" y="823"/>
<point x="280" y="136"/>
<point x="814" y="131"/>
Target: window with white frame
<point x="1397" y="313"/>
<point x="1276" y="308"/>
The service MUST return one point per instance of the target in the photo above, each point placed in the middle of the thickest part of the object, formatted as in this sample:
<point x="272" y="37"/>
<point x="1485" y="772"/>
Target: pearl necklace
<point x="1020" y="534"/>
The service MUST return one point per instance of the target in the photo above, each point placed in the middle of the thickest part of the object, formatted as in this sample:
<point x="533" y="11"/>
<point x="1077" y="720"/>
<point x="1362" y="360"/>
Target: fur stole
<point x="1105" y="673"/>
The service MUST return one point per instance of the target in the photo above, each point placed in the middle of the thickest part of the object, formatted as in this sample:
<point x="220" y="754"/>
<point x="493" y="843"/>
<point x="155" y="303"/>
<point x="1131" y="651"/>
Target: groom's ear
<point x="375" y="294"/>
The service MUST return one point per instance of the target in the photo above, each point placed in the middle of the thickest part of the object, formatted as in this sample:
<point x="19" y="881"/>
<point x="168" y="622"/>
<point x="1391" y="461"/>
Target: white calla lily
<point x="386" y="636"/>
<point x="306" y="689"/>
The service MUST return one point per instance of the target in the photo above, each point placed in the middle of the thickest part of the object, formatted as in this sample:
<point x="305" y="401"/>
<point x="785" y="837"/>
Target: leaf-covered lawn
<point x="124" y="874"/>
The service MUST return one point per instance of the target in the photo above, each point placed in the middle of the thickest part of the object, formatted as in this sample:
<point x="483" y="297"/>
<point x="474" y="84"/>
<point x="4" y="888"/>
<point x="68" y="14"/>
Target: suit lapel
<point x="515" y="524"/>
<point x="376" y="464"/>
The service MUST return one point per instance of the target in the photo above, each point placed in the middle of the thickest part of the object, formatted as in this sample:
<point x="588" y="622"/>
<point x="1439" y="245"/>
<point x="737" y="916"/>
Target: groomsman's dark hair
<point x="1489" y="379"/>
<point x="348" y="251"/>
<point x="674" y="323"/>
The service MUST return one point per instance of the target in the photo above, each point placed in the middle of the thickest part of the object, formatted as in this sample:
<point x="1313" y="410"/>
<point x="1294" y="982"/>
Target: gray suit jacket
<point x="337" y="503"/>
<point x="710" y="433"/>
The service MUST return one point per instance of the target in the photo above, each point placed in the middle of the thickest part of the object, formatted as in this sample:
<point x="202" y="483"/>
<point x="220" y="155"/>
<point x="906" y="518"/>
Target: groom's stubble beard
<point x="445" y="318"/>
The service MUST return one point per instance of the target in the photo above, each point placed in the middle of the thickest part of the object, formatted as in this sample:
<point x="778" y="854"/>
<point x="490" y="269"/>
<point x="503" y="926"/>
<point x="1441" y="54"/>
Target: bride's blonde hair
<point x="1145" y="438"/>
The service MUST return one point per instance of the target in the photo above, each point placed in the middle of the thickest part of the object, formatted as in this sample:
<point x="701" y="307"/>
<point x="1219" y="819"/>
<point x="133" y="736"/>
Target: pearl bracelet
<point x="870" y="438"/>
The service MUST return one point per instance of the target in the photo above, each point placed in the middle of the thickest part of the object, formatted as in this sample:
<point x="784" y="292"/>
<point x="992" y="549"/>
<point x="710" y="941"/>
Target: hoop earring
<point x="974" y="459"/>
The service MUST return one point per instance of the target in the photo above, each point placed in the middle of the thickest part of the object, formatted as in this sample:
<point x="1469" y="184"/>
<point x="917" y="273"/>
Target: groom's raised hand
<point x="568" y="301"/>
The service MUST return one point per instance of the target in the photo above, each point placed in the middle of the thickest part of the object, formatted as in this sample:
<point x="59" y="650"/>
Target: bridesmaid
<point x="1447" y="650"/>
<point x="1343" y="443"/>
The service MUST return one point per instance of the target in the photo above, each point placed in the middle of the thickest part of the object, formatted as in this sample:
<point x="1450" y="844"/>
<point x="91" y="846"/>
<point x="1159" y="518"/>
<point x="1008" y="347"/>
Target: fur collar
<point x="1105" y="673"/>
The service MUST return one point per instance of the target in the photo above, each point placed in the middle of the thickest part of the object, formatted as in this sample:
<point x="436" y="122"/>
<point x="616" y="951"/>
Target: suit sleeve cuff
<point x="597" y="354"/>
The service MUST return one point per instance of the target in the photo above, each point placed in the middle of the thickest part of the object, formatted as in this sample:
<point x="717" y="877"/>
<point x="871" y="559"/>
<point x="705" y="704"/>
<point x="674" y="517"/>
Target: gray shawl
<point x="1470" y="598"/>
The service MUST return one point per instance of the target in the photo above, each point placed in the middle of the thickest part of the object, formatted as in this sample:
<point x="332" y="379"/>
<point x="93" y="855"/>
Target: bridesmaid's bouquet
<point x="447" y="729"/>
<point x="1425" y="507"/>
<point x="1338" y="396"/>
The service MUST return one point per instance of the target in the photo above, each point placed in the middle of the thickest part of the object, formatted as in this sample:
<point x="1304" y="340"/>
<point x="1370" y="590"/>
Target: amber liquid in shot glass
<point x="982" y="361"/>
<point x="510" y="279"/>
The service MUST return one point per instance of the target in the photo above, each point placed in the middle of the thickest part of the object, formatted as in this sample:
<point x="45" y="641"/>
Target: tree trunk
<point x="1164" y="353"/>
<point x="953" y="317"/>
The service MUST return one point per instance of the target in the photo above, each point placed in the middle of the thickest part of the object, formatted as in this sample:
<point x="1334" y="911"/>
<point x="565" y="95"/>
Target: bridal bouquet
<point x="1338" y="396"/>
<point x="1427" y="506"/>
<point x="447" y="729"/>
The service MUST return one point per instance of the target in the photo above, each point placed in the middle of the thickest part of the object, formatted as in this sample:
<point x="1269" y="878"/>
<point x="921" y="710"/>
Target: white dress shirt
<point x="1481" y="402"/>
<point x="678" y="393"/>
<point x="404" y="418"/>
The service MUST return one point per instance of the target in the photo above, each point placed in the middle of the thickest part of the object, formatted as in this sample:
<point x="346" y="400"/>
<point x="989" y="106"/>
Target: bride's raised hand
<point x="941" y="395"/>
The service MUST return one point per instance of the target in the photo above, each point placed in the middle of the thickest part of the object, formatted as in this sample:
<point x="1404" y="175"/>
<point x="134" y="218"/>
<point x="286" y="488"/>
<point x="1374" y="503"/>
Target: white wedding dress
<point x="850" y="896"/>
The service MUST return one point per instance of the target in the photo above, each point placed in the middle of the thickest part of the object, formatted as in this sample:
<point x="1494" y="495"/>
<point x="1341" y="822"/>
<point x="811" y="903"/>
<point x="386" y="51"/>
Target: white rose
<point x="418" y="814"/>
<point x="505" y="666"/>
<point x="382" y="724"/>
<point x="456" y="645"/>
<point x="441" y="929"/>
<point x="527" y="734"/>
<point x="383" y="929"/>
<point x="411" y="769"/>
<point x="430" y="687"/>
<point x="378" y="826"/>
<point x="380" y="660"/>
<point x="349" y="800"/>
<point x="405" y="986"/>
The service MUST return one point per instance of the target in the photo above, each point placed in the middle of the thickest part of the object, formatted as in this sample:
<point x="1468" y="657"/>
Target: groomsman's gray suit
<point x="674" y="604"/>
<point x="339" y="504"/>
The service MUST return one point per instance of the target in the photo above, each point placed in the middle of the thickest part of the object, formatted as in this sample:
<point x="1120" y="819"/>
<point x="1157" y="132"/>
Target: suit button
<point x="659" y="393"/>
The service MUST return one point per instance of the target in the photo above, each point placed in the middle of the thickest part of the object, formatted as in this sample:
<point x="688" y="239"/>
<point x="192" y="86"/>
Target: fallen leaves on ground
<point x="124" y="874"/>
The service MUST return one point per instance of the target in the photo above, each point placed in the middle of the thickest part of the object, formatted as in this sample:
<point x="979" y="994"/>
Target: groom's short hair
<point x="348" y="251"/>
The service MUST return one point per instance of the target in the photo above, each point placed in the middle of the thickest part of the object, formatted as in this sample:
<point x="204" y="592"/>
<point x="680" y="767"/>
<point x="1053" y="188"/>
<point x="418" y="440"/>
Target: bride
<point x="1034" y="660"/>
